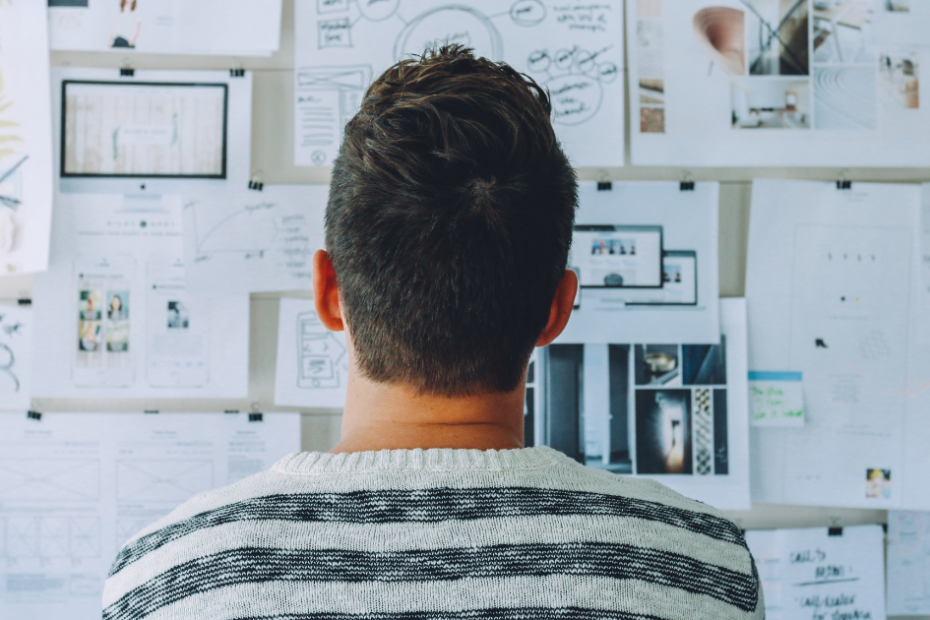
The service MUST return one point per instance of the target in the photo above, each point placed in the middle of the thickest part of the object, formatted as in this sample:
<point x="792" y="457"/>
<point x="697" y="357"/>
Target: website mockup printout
<point x="834" y="292"/>
<point x="646" y="254"/>
<point x="114" y="315"/>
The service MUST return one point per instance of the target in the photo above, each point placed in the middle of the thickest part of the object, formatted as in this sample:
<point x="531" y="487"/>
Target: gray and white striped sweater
<point x="436" y="534"/>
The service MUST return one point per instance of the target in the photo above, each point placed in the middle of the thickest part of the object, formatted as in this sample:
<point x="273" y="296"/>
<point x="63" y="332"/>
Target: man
<point x="447" y="234"/>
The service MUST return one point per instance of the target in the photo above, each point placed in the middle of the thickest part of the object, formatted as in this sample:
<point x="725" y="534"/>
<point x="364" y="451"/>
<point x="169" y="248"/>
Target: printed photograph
<point x="657" y="364"/>
<point x="118" y="305"/>
<point x="652" y="120"/>
<point x="89" y="336"/>
<point x="663" y="432"/>
<point x="117" y="336"/>
<point x="90" y="305"/>
<point x="900" y="84"/>
<point x="652" y="91"/>
<point x="770" y="103"/>
<point x="704" y="364"/>
<point x="878" y="483"/>
<point x="897" y="6"/>
<point x="178" y="316"/>
<point x="776" y="37"/>
<point x="845" y="98"/>
<point x="841" y="31"/>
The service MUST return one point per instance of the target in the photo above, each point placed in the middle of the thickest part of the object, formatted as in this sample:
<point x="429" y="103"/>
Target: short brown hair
<point x="449" y="223"/>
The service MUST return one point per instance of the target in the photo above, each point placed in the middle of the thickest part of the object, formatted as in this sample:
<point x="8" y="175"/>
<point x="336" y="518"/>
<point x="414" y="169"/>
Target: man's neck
<point x="380" y="416"/>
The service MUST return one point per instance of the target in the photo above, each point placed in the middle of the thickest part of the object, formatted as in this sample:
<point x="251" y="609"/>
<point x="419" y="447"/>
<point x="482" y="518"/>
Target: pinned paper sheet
<point x="908" y="563"/>
<point x="814" y="574"/>
<point x="776" y="399"/>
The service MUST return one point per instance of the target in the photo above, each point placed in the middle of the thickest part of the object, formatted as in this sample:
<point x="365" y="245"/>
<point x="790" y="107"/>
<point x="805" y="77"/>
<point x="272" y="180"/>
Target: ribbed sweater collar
<point x="437" y="459"/>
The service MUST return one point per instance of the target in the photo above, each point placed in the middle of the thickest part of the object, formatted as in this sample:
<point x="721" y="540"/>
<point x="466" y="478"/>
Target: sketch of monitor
<point x="114" y="134"/>
<point x="608" y="256"/>
<point x="679" y="284"/>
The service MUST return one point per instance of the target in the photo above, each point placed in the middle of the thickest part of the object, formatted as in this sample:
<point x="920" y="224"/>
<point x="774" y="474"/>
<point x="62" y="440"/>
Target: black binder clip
<point x="843" y="182"/>
<point x="604" y="186"/>
<point x="255" y="182"/>
<point x="835" y="531"/>
<point x="25" y="301"/>
<point x="238" y="72"/>
<point x="687" y="184"/>
<point x="34" y="415"/>
<point x="255" y="417"/>
<point x="127" y="72"/>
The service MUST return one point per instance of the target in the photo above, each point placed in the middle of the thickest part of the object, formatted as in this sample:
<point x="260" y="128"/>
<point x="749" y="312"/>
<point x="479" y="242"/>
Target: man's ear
<point x="561" y="309"/>
<point x="326" y="292"/>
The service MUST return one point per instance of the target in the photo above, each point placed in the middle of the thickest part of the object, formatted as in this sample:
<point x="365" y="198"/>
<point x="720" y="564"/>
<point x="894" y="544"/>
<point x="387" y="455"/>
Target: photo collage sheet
<point x="778" y="82"/>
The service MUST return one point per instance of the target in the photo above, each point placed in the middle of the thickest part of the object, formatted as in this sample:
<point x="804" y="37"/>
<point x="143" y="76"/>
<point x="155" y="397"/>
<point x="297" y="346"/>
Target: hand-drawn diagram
<point x="579" y="65"/>
<point x="247" y="243"/>
<point x="50" y="480"/>
<point x="321" y="358"/>
<point x="162" y="480"/>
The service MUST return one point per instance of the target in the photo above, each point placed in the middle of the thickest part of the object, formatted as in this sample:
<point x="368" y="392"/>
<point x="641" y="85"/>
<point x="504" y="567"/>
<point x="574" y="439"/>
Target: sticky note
<point x="776" y="398"/>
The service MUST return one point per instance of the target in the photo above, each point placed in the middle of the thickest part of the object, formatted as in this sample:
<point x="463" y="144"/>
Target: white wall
<point x="272" y="158"/>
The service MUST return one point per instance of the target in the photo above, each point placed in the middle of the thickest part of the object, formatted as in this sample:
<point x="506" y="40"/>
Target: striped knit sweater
<point x="437" y="534"/>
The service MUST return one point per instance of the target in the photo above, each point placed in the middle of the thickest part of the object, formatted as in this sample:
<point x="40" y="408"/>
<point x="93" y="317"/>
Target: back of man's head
<point x="449" y="224"/>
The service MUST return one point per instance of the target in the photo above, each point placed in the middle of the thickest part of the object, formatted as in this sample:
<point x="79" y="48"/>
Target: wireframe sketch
<point x="50" y="537"/>
<point x="327" y="98"/>
<point x="162" y="480"/>
<point x="50" y="480"/>
<point x="321" y="359"/>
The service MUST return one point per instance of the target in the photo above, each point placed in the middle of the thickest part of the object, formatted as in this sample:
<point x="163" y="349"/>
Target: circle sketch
<point x="576" y="98"/>
<point x="378" y="10"/>
<point x="448" y="25"/>
<point x="528" y="12"/>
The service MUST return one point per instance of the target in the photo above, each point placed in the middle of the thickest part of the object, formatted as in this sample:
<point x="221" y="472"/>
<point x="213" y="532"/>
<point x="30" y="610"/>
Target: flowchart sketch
<point x="244" y="242"/>
<point x="15" y="357"/>
<point x="312" y="363"/>
<point x="575" y="51"/>
<point x="50" y="481"/>
<point x="26" y="179"/>
<point x="162" y="480"/>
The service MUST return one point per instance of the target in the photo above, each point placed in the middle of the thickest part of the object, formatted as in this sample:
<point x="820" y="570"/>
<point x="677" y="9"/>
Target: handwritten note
<point x="776" y="399"/>
<point x="810" y="574"/>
